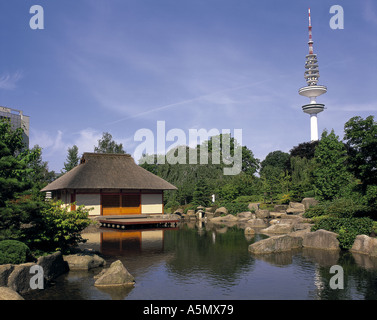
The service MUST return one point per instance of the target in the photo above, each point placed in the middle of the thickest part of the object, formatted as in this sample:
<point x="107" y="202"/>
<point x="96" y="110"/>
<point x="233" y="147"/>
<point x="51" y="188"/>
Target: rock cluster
<point x="15" y="280"/>
<point x="320" y="239"/>
<point x="17" y="277"/>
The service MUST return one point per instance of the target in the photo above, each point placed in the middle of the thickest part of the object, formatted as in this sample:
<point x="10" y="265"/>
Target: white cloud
<point x="9" y="81"/>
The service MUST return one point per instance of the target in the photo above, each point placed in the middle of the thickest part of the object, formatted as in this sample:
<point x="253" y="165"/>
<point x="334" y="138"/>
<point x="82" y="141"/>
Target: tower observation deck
<point x="312" y="90"/>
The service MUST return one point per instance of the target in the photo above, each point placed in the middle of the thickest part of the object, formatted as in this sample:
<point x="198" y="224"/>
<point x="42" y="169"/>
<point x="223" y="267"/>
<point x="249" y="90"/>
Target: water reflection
<point x="131" y="242"/>
<point x="206" y="261"/>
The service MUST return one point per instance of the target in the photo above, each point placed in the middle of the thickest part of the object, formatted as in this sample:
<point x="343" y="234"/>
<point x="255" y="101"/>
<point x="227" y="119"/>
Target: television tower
<point x="312" y="90"/>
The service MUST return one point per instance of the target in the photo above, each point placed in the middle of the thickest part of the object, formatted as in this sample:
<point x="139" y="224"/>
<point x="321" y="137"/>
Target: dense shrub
<point x="58" y="229"/>
<point x="346" y="228"/>
<point x="248" y="199"/>
<point x="236" y="207"/>
<point x="342" y="208"/>
<point x="14" y="252"/>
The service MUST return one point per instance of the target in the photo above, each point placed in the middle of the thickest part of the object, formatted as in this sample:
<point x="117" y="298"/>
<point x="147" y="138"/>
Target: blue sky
<point x="122" y="65"/>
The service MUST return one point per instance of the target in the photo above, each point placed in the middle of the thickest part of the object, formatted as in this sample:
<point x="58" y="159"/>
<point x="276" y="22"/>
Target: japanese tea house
<point x="111" y="184"/>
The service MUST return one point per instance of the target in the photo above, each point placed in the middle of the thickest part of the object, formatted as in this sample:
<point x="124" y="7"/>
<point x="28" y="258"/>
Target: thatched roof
<point x="108" y="171"/>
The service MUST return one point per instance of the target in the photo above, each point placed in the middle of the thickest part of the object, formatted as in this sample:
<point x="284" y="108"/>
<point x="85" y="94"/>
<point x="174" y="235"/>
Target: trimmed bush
<point x="346" y="228"/>
<point x="14" y="252"/>
<point x="341" y="208"/>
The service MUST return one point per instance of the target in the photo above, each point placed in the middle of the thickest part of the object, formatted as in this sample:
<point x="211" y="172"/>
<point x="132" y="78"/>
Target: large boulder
<point x="365" y="245"/>
<point x="275" y="244"/>
<point x="115" y="275"/>
<point x="277" y="215"/>
<point x="278" y="228"/>
<point x="9" y="294"/>
<point x="257" y="223"/>
<point x="249" y="231"/>
<point x="81" y="261"/>
<point x="280" y="207"/>
<point x="321" y="239"/>
<point x="5" y="271"/>
<point x="309" y="202"/>
<point x="227" y="218"/>
<point x="53" y="265"/>
<point x="262" y="214"/>
<point x="300" y="233"/>
<point x="244" y="215"/>
<point x="19" y="279"/>
<point x="220" y="211"/>
<point x="253" y="206"/>
<point x="295" y="208"/>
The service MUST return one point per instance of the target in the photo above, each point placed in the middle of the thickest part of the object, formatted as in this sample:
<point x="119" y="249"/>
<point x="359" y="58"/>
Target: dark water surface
<point x="206" y="262"/>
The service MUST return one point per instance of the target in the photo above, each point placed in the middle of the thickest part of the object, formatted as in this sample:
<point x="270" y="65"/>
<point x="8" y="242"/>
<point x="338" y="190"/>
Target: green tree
<point x="302" y="176"/>
<point x="277" y="159"/>
<point x="330" y="175"/>
<point x="250" y="164"/>
<point x="24" y="215"/>
<point x="16" y="181"/>
<point x="361" y="140"/>
<point x="202" y="194"/>
<point x="271" y="182"/>
<point x="72" y="158"/>
<point x="107" y="145"/>
<point x="304" y="150"/>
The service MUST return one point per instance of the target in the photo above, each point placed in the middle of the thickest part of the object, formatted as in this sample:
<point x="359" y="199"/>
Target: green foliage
<point x="58" y="229"/>
<point x="185" y="175"/>
<point x="339" y="208"/>
<point x="346" y="228"/>
<point x="107" y="145"/>
<point x="72" y="159"/>
<point x="202" y="194"/>
<point x="277" y="159"/>
<point x="304" y="150"/>
<point x="330" y="175"/>
<point x="371" y="196"/>
<point x="235" y="207"/>
<point x="14" y="252"/>
<point x="248" y="199"/>
<point x="361" y="139"/>
<point x="302" y="173"/>
<point x="21" y="174"/>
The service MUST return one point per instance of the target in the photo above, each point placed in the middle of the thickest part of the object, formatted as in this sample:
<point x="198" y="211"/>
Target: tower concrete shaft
<point x="312" y="90"/>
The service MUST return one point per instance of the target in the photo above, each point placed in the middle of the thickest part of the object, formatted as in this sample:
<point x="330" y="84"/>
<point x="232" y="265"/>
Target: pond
<point x="209" y="262"/>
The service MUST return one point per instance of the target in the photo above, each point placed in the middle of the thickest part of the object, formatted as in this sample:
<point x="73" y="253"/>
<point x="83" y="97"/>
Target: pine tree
<point x="202" y="195"/>
<point x="72" y="158"/>
<point x="15" y="181"/>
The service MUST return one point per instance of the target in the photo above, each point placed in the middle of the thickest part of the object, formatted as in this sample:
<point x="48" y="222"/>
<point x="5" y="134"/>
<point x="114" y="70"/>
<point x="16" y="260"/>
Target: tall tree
<point x="202" y="194"/>
<point x="72" y="158"/>
<point x="107" y="145"/>
<point x="16" y="180"/>
<point x="361" y="140"/>
<point x="331" y="175"/>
